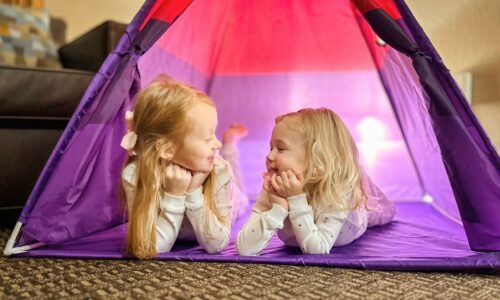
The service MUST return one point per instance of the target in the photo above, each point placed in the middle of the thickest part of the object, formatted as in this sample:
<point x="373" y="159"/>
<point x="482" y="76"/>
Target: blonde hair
<point x="160" y="118"/>
<point x="333" y="173"/>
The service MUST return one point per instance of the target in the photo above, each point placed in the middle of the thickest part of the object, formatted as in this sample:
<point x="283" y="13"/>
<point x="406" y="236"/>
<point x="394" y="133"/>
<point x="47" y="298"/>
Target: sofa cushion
<point x="25" y="38"/>
<point x="23" y="154"/>
<point x="89" y="51"/>
<point x="41" y="93"/>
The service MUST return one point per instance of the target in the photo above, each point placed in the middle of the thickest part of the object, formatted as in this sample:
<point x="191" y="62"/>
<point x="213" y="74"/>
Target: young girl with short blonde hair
<point x="315" y="194"/>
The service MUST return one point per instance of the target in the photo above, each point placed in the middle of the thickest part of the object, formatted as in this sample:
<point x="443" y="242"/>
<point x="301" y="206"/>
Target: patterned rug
<point x="110" y="279"/>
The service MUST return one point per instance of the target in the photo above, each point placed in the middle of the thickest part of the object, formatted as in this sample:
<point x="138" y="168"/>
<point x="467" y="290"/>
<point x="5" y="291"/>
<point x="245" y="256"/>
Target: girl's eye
<point x="280" y="149"/>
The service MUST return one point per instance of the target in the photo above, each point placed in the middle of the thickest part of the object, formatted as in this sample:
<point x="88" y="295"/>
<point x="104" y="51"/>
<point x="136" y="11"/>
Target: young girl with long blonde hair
<point x="315" y="193"/>
<point x="175" y="184"/>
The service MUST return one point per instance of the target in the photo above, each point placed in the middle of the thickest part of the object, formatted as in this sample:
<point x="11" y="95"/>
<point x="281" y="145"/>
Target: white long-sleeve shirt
<point x="315" y="232"/>
<point x="183" y="217"/>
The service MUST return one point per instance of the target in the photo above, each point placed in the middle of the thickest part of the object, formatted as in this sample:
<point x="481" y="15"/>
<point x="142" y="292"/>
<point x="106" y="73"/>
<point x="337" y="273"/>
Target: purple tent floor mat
<point x="418" y="239"/>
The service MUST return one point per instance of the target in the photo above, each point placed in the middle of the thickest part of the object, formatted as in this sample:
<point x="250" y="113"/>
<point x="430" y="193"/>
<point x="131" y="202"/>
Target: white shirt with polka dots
<point x="314" y="233"/>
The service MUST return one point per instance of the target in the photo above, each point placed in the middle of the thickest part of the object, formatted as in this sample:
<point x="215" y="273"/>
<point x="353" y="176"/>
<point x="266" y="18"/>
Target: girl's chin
<point x="206" y="168"/>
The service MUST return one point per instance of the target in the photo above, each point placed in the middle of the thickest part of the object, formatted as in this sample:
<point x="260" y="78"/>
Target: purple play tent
<point x="368" y="60"/>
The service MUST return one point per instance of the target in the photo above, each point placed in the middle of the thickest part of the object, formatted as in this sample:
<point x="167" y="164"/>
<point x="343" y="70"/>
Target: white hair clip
<point x="130" y="138"/>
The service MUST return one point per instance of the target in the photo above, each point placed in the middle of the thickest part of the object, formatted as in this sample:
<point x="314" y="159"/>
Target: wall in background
<point x="466" y="33"/>
<point x="82" y="15"/>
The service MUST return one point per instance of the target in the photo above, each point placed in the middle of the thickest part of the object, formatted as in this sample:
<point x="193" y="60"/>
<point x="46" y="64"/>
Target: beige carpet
<point x="108" y="279"/>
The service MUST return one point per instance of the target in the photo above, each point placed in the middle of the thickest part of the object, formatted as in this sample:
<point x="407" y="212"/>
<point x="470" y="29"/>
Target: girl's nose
<point x="270" y="156"/>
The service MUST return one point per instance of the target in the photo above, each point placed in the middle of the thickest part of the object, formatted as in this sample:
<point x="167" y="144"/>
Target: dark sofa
<point x="35" y="106"/>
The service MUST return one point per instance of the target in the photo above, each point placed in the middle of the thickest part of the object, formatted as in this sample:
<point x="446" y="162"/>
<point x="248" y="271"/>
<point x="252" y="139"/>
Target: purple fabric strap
<point x="474" y="170"/>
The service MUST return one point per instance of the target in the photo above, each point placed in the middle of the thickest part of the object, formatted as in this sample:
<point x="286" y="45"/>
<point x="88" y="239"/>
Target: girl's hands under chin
<point x="177" y="180"/>
<point x="197" y="180"/>
<point x="273" y="196"/>
<point x="288" y="183"/>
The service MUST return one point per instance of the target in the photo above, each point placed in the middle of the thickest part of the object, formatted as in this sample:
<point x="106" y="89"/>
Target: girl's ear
<point x="166" y="150"/>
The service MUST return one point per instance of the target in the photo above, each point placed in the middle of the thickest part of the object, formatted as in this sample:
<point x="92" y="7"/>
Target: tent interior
<point x="257" y="60"/>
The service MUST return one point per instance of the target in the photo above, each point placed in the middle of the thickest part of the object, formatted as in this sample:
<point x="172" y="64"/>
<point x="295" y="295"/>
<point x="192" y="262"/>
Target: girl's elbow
<point x="212" y="250"/>
<point x="242" y="248"/>
<point x="246" y="252"/>
<point x="216" y="246"/>
<point x="163" y="248"/>
<point x="316" y="249"/>
<point x="243" y="251"/>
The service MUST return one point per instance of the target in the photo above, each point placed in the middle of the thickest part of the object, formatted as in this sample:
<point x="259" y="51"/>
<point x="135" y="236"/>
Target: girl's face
<point x="200" y="143"/>
<point x="287" y="149"/>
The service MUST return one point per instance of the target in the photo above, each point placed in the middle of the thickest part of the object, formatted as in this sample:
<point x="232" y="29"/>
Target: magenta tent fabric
<point x="367" y="60"/>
